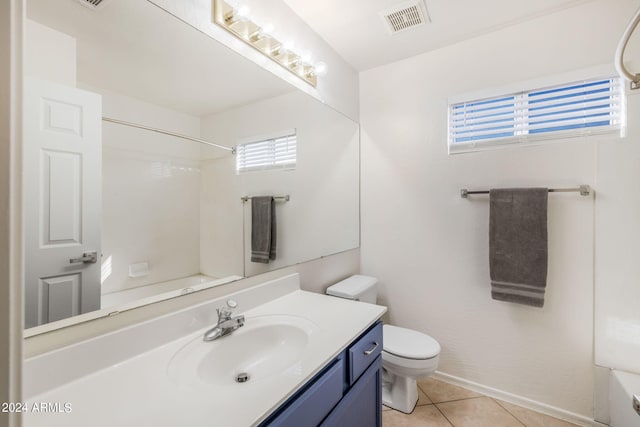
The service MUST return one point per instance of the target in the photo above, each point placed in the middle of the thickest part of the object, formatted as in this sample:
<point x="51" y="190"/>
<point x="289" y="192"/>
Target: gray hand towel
<point x="263" y="229"/>
<point x="518" y="245"/>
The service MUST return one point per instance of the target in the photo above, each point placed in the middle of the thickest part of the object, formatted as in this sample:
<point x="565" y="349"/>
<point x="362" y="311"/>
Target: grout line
<point x="458" y="400"/>
<point x="428" y="398"/>
<point x="452" y="400"/>
<point x="427" y="404"/>
<point x="425" y="393"/>
<point x="508" y="412"/>
<point x="445" y="417"/>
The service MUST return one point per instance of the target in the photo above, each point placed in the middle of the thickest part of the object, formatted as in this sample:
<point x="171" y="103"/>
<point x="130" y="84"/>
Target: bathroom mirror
<point x="149" y="215"/>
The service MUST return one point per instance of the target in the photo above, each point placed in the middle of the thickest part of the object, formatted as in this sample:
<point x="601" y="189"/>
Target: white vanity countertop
<point x="138" y="391"/>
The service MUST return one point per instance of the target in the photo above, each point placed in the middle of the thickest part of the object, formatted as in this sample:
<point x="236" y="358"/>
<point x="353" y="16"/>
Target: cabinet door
<point x="310" y="407"/>
<point x="362" y="405"/>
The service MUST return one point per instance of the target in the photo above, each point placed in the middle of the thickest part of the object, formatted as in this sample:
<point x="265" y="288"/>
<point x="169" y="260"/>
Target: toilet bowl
<point x="407" y="355"/>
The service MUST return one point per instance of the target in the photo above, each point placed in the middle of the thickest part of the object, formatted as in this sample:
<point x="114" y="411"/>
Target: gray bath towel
<point x="518" y="245"/>
<point x="263" y="229"/>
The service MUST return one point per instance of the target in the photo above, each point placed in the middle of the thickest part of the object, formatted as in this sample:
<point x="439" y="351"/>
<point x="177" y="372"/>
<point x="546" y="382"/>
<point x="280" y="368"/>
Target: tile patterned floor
<point x="442" y="404"/>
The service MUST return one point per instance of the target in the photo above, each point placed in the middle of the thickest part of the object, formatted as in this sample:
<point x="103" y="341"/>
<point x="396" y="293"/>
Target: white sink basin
<point x="266" y="346"/>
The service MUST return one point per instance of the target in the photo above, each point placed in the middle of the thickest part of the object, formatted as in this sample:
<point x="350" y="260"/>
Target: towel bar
<point x="584" y="190"/>
<point x="284" y="198"/>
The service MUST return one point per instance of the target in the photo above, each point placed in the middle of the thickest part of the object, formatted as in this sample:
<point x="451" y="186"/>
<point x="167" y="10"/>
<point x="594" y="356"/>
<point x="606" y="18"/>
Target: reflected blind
<point x="272" y="153"/>
<point x="574" y="109"/>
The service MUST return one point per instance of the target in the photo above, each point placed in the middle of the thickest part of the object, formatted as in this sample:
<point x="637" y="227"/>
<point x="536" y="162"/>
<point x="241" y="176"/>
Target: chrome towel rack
<point x="284" y="198"/>
<point x="584" y="190"/>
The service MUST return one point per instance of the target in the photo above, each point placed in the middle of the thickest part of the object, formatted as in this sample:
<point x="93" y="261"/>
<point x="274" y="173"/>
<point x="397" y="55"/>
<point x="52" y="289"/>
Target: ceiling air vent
<point x="93" y="4"/>
<point x="404" y="16"/>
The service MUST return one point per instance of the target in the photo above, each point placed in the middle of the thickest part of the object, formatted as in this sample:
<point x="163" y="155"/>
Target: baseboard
<point x="518" y="400"/>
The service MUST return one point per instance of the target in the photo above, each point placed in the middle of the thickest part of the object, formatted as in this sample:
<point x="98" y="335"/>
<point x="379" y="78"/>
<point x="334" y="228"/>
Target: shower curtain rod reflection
<point x="166" y="132"/>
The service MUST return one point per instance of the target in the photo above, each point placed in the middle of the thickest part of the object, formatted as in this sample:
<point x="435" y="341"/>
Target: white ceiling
<point x="135" y="48"/>
<point x="357" y="32"/>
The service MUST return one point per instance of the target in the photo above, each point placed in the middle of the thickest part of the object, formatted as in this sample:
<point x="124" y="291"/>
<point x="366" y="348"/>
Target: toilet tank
<point x="358" y="287"/>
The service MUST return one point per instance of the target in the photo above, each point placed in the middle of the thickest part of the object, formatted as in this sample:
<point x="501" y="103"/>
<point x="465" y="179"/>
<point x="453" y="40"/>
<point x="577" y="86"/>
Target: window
<point x="568" y="110"/>
<point x="267" y="153"/>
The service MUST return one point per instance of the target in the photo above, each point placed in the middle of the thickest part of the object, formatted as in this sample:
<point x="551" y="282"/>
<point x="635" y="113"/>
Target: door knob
<point x="87" y="258"/>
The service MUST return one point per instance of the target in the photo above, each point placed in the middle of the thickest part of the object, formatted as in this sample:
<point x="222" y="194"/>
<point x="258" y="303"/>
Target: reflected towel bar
<point x="276" y="198"/>
<point x="584" y="190"/>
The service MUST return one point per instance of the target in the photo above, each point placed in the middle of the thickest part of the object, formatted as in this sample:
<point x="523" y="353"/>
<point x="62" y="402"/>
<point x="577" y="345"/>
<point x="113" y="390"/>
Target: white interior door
<point x="62" y="199"/>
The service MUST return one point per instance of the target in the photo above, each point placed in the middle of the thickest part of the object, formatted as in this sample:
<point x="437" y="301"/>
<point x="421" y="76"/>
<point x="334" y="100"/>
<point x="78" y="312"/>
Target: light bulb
<point x="320" y="69"/>
<point x="267" y="30"/>
<point x="242" y="12"/>
<point x="305" y="57"/>
<point x="288" y="46"/>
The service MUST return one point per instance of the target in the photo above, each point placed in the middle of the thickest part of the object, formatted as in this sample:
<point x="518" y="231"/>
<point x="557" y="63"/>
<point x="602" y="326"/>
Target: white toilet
<point x="407" y="355"/>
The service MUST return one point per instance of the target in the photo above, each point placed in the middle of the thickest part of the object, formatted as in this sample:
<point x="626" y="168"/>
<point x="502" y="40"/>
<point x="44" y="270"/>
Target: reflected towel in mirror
<point x="263" y="229"/>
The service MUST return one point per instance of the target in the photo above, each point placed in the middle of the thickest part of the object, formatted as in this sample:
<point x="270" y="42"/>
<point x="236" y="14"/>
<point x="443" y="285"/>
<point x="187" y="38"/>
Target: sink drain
<point x="242" y="377"/>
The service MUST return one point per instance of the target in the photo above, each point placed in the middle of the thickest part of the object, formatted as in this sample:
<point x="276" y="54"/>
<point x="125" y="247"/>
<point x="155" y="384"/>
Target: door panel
<point x="61" y="198"/>
<point x="60" y="297"/>
<point x="64" y="117"/>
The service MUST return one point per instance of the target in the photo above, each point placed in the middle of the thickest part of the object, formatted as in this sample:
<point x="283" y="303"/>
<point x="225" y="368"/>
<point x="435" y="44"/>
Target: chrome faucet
<point x="226" y="323"/>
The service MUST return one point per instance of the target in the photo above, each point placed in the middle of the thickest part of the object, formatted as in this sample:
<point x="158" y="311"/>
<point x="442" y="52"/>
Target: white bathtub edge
<point x="622" y="386"/>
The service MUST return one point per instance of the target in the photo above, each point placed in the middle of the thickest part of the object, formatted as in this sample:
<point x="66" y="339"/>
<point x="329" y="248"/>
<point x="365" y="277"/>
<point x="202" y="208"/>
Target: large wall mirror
<point x="121" y="210"/>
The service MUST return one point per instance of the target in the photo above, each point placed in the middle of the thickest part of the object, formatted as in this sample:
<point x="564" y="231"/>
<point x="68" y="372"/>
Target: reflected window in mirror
<point x="265" y="153"/>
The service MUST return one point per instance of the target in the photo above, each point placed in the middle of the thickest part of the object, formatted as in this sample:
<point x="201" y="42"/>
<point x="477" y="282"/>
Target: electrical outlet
<point x="636" y="403"/>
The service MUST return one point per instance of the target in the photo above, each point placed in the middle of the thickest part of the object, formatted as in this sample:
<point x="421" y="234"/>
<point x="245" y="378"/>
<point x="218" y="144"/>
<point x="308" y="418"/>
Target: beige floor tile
<point x="534" y="419"/>
<point x="422" y="416"/>
<point x="440" y="391"/>
<point x="385" y="408"/>
<point x="478" y="412"/>
<point x="423" y="399"/>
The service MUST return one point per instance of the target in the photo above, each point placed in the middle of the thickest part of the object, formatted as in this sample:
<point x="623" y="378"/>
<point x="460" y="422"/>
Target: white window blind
<point x="574" y="109"/>
<point x="269" y="153"/>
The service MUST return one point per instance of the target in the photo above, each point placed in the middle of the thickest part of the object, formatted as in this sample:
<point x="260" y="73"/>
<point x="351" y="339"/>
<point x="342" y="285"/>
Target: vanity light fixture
<point x="237" y="20"/>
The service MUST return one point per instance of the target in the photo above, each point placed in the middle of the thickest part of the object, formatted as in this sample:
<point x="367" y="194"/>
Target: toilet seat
<point x="409" y="344"/>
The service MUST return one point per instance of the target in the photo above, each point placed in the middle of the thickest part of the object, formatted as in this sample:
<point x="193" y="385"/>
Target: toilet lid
<point x="409" y="343"/>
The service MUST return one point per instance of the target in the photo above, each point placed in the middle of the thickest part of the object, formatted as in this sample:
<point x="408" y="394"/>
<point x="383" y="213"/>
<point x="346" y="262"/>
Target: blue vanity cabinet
<point x="363" y="352"/>
<point x="347" y="392"/>
<point x="362" y="405"/>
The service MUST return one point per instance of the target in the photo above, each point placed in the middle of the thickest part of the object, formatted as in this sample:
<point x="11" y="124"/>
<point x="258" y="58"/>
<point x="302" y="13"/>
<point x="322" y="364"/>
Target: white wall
<point x="617" y="323"/>
<point x="339" y="88"/>
<point x="429" y="247"/>
<point x="151" y="193"/>
<point x="49" y="54"/>
<point x="322" y="216"/>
